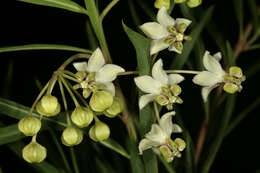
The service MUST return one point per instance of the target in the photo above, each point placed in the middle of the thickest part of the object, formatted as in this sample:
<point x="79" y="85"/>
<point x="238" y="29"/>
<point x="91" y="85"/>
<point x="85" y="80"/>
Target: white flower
<point x="160" y="133"/>
<point x="167" y="33"/>
<point x="98" y="75"/>
<point x="158" y="85"/>
<point x="215" y="75"/>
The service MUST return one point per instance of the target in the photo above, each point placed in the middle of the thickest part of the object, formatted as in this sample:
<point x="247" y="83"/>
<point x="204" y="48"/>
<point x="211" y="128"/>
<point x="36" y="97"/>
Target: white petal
<point x="109" y="86"/>
<point x="211" y="64"/>
<point x="96" y="61"/>
<point x="206" y="78"/>
<point x="146" y="144"/>
<point x="108" y="73"/>
<point x="175" y="79"/>
<point x="80" y="66"/>
<point x="158" y="73"/>
<point x="205" y="92"/>
<point x="164" y="18"/>
<point x="176" y="128"/>
<point x="148" y="84"/>
<point x="145" y="99"/>
<point x="156" y="135"/>
<point x="172" y="48"/>
<point x="217" y="56"/>
<point x="183" y="20"/>
<point x="166" y="123"/>
<point x="154" y="30"/>
<point x="158" y="45"/>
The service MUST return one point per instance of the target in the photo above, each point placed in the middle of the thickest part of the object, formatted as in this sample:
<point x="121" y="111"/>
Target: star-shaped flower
<point x="159" y="138"/>
<point x="161" y="87"/>
<point x="167" y="33"/>
<point x="96" y="74"/>
<point x="215" y="75"/>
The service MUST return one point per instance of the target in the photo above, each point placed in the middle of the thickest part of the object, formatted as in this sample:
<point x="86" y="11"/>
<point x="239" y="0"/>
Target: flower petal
<point x="206" y="78"/>
<point x="205" y="92"/>
<point x="146" y="144"/>
<point x="175" y="79"/>
<point x="109" y="86"/>
<point x="96" y="61"/>
<point x="166" y="123"/>
<point x="154" y="30"/>
<point x="148" y="84"/>
<point x="183" y="20"/>
<point x="156" y="135"/>
<point x="108" y="73"/>
<point x="211" y="64"/>
<point x="172" y="48"/>
<point x="157" y="46"/>
<point x="164" y="18"/>
<point x="158" y="73"/>
<point x="217" y="56"/>
<point x="176" y="128"/>
<point x="145" y="99"/>
<point x="80" y="66"/>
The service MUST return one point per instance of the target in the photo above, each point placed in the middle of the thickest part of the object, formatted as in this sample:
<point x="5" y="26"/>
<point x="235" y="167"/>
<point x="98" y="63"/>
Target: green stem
<point x="70" y="78"/>
<point x="183" y="71"/>
<point x="156" y="112"/>
<point x="74" y="160"/>
<point x="69" y="73"/>
<point x="107" y="9"/>
<point x="70" y="92"/>
<point x="128" y="73"/>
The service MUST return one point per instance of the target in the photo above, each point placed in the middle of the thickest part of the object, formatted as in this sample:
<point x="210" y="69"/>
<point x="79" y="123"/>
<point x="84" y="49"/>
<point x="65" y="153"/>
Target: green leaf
<point x="180" y="59"/>
<point x="43" y="47"/>
<point x="230" y="57"/>
<point x="146" y="115"/>
<point x="199" y="52"/>
<point x="8" y="80"/>
<point x="18" y="111"/>
<point x="172" y="4"/>
<point x="239" y="11"/>
<point x="168" y="166"/>
<point x="63" y="4"/>
<point x="254" y="12"/>
<point x="10" y="134"/>
<point x="253" y="70"/>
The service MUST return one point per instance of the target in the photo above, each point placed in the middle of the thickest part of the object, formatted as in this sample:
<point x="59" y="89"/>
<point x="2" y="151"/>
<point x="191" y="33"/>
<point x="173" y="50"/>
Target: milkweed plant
<point x="83" y="97"/>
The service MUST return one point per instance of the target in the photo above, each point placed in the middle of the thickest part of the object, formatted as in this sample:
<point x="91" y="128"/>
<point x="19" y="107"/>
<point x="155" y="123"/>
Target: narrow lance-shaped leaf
<point x="239" y="11"/>
<point x="230" y="57"/>
<point x="63" y="4"/>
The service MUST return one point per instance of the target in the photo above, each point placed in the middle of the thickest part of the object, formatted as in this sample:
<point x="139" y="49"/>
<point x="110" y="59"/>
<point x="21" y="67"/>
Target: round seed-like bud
<point x="180" y="143"/>
<point x="99" y="132"/>
<point x="48" y="106"/>
<point x="100" y="101"/>
<point x="71" y="136"/>
<point x="230" y="88"/>
<point x="29" y="126"/>
<point x="160" y="3"/>
<point x="82" y="117"/>
<point x="34" y="152"/>
<point x="115" y="109"/>
<point x="194" y="3"/>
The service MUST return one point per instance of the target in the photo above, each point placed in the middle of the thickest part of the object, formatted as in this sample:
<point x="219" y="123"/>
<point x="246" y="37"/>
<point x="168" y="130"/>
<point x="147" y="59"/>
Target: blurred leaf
<point x="253" y="47"/>
<point x="239" y="11"/>
<point x="180" y="59"/>
<point x="43" y="47"/>
<point x="253" y="70"/>
<point x="199" y="52"/>
<point x="254" y="12"/>
<point x="10" y="134"/>
<point x="136" y="19"/>
<point x="103" y="166"/>
<point x="172" y="4"/>
<point x="147" y="9"/>
<point x="168" y="166"/>
<point x="91" y="37"/>
<point x="1" y="171"/>
<point x="230" y="57"/>
<point x="63" y="4"/>
<point x="187" y="13"/>
<point x="8" y="80"/>
<point x="146" y="115"/>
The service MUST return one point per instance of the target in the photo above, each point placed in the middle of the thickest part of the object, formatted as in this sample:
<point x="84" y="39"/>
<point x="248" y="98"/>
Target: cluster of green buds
<point x="170" y="96"/>
<point x="233" y="80"/>
<point x="176" y="36"/>
<point x="190" y="3"/>
<point x="48" y="106"/>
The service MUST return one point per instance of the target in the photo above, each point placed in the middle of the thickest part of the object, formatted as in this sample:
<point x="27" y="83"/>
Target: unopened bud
<point x="236" y="71"/>
<point x="160" y="3"/>
<point x="34" y="152"/>
<point x="48" y="106"/>
<point x="166" y="153"/>
<point x="99" y="132"/>
<point x="71" y="136"/>
<point x="230" y="88"/>
<point x="29" y="125"/>
<point x="100" y="101"/>
<point x="82" y="117"/>
<point x="115" y="109"/>
<point x="194" y="3"/>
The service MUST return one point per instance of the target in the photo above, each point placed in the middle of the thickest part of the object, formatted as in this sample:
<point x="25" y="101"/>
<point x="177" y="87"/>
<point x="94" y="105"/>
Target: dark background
<point x="22" y="23"/>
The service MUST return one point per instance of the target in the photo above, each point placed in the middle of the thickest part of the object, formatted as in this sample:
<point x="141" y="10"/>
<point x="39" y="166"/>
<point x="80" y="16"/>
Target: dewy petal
<point x="158" y="45"/>
<point x="164" y="18"/>
<point x="146" y="144"/>
<point x="109" y="86"/>
<point x="148" y="84"/>
<point x="206" y="78"/>
<point x="80" y="66"/>
<point x="154" y="30"/>
<point x="175" y="79"/>
<point x="217" y="56"/>
<point x="96" y="61"/>
<point x="211" y="64"/>
<point x="166" y="123"/>
<point x="205" y="92"/>
<point x="156" y="135"/>
<point x="108" y="73"/>
<point x="183" y="20"/>
<point x="145" y="99"/>
<point x="172" y="48"/>
<point x="158" y="73"/>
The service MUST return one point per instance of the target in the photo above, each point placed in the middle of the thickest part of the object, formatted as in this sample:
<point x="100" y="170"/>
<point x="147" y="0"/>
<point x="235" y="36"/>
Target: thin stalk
<point x="70" y="78"/>
<point x="69" y="91"/>
<point x="69" y="73"/>
<point x="107" y="9"/>
<point x="128" y="73"/>
<point x="156" y="111"/>
<point x="183" y="71"/>
<point x="74" y="160"/>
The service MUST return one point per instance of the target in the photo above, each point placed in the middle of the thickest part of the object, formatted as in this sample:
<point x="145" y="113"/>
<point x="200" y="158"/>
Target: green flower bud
<point x="115" y="109"/>
<point x="99" y="132"/>
<point x="48" y="106"/>
<point x="71" y="136"/>
<point x="34" y="152"/>
<point x="179" y="1"/>
<point x="194" y="3"/>
<point x="235" y="71"/>
<point x="29" y="126"/>
<point x="230" y="88"/>
<point x="82" y="117"/>
<point x="166" y="153"/>
<point x="100" y="101"/>
<point x="176" y="89"/>
<point x="86" y="93"/>
<point x="180" y="143"/>
<point x="160" y="3"/>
